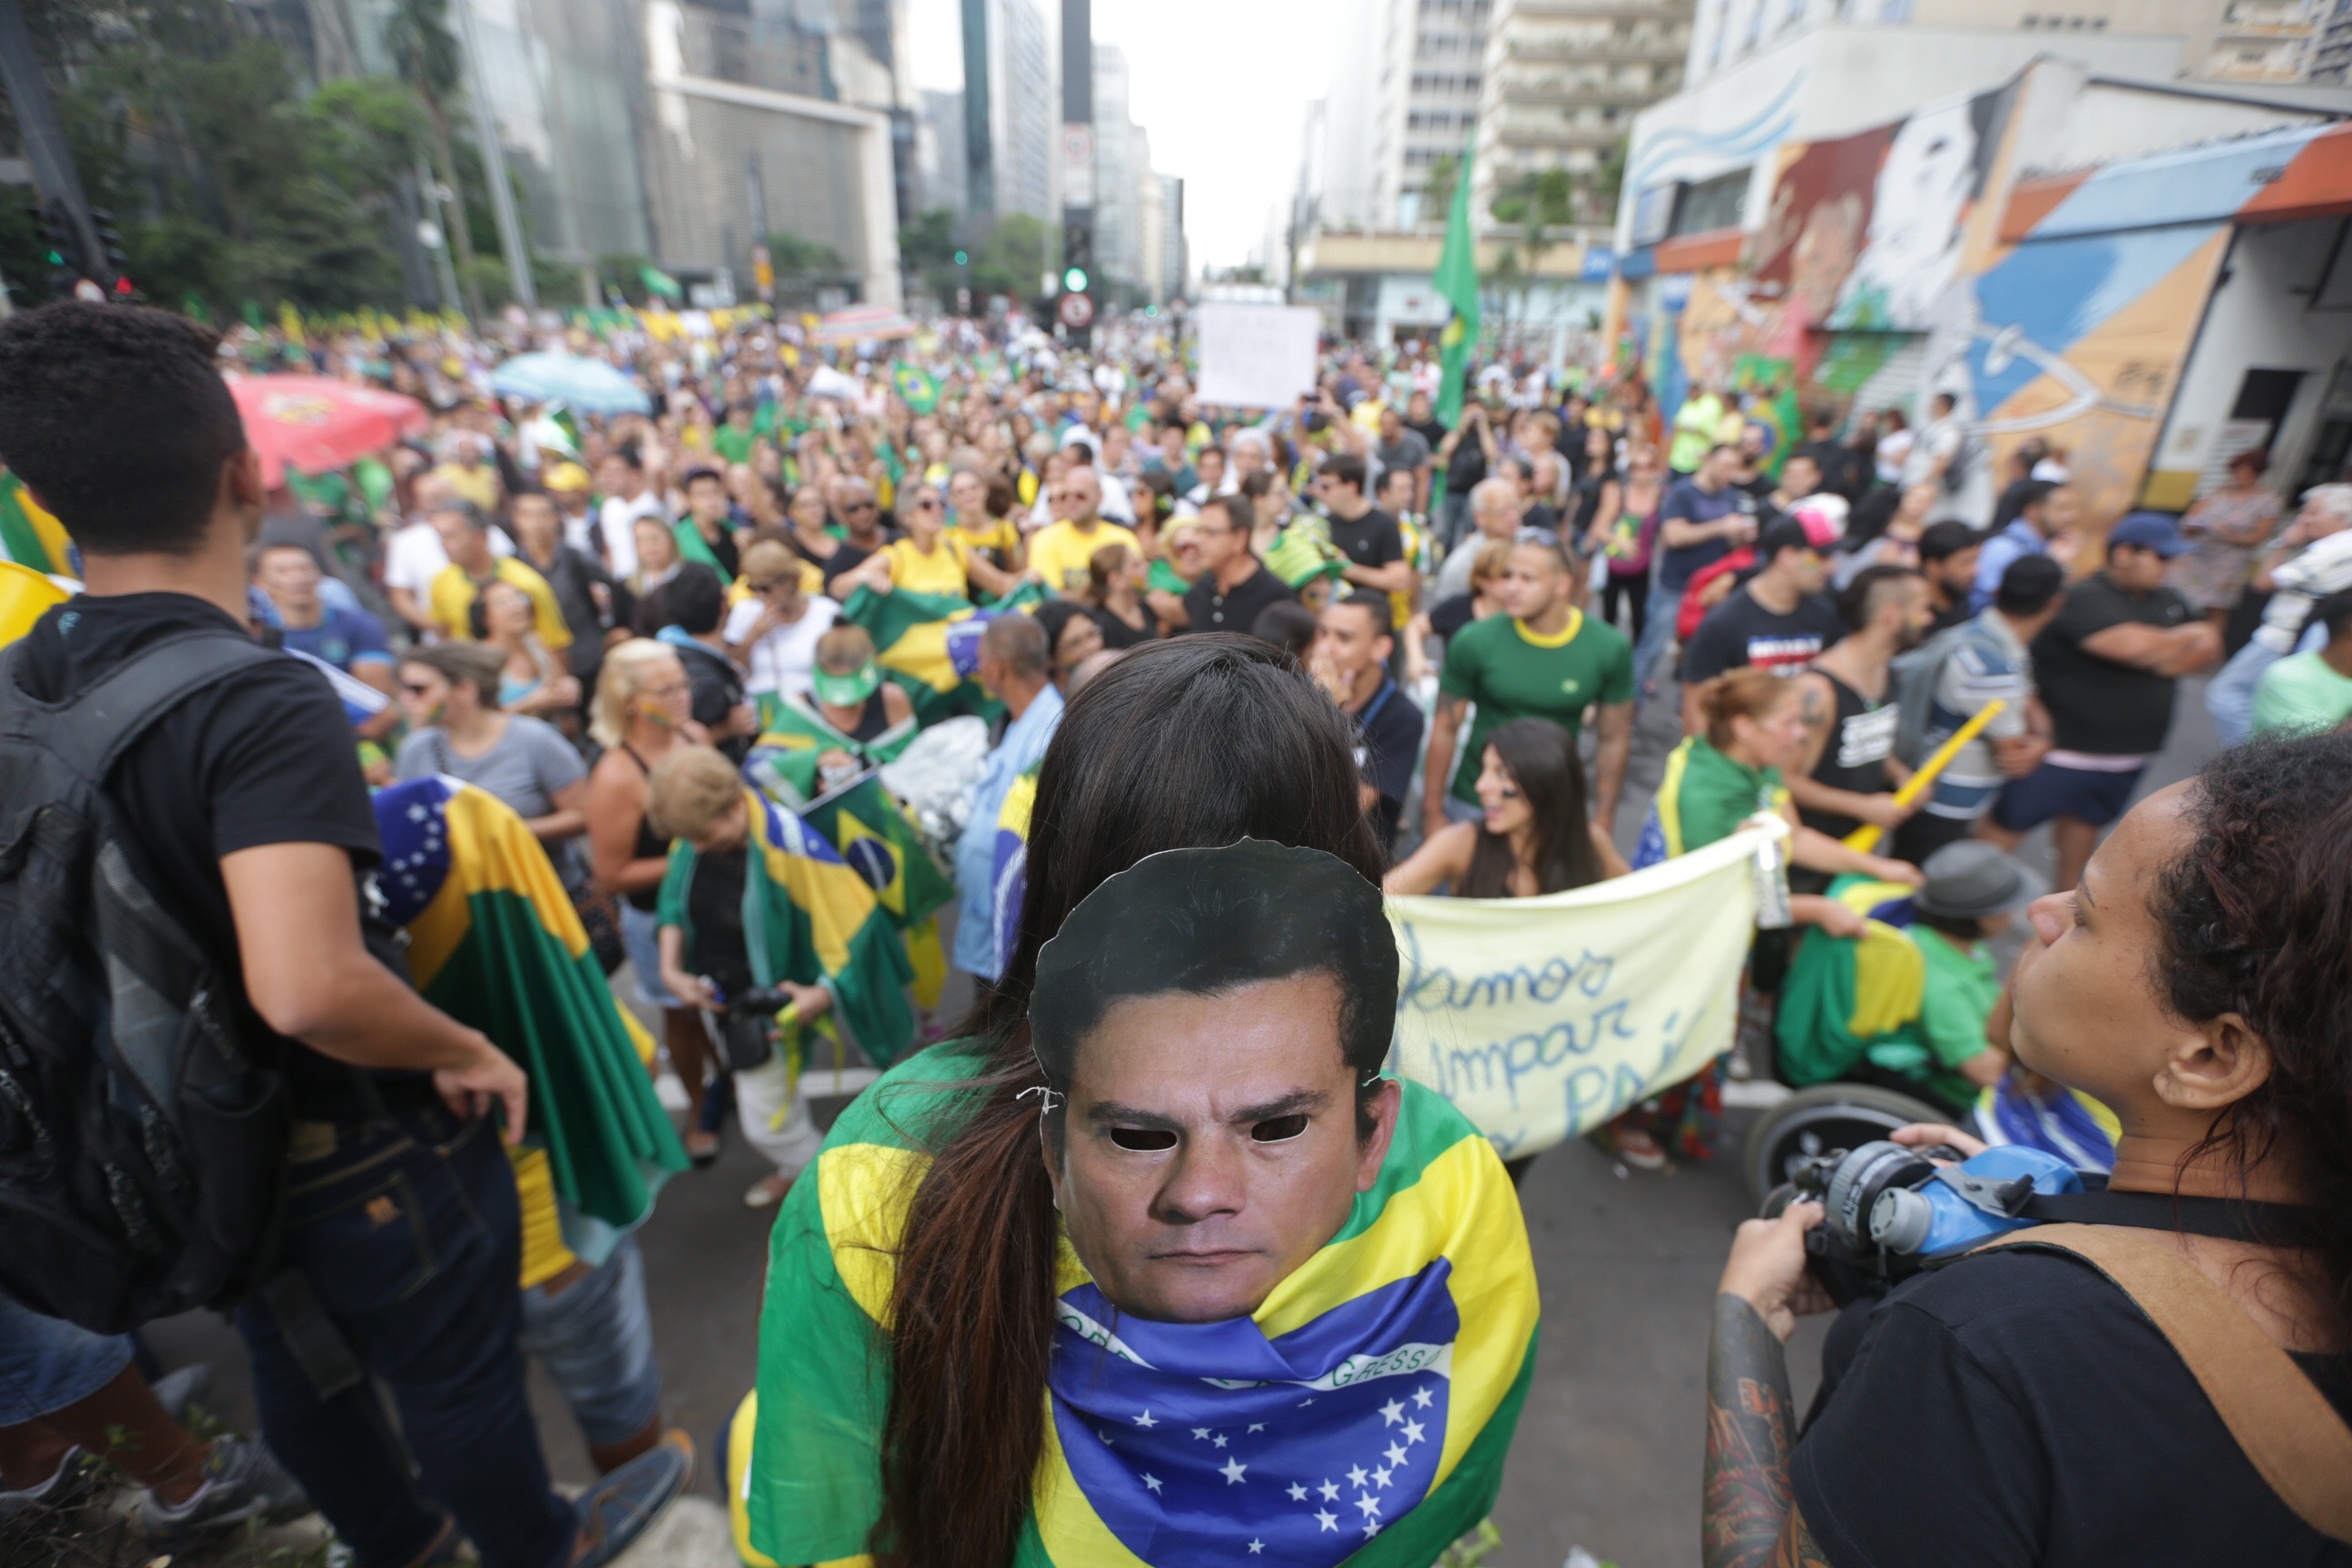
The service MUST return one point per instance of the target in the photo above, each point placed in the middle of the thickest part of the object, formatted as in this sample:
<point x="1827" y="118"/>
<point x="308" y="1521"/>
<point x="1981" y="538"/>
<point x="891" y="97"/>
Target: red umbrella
<point x="310" y="423"/>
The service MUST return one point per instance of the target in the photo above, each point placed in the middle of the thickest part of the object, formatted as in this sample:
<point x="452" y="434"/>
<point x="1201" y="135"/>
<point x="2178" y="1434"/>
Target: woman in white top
<point x="773" y="633"/>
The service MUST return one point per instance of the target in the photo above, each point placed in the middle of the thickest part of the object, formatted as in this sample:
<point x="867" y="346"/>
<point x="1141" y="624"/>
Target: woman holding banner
<point x="1715" y="780"/>
<point x="1535" y="836"/>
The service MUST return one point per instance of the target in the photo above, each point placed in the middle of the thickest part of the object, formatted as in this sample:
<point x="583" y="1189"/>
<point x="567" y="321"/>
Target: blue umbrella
<point x="589" y="385"/>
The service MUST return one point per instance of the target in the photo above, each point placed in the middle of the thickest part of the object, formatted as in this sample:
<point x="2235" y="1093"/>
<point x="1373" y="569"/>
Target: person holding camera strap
<point x="2169" y="1384"/>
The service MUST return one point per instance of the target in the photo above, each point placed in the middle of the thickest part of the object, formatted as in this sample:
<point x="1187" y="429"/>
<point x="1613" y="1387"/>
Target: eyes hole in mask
<point x="1279" y="1128"/>
<point x="1143" y="1140"/>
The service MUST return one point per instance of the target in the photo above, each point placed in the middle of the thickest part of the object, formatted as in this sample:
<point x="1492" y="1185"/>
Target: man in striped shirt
<point x="1989" y="659"/>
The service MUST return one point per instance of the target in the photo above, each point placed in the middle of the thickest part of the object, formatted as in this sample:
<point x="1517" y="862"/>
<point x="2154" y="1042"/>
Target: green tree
<point x="926" y="248"/>
<point x="1437" y="187"/>
<point x="1009" y="260"/>
<point x="623" y="270"/>
<point x="802" y="266"/>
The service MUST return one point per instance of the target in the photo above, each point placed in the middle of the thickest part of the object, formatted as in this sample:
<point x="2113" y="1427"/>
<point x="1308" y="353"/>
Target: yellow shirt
<point x="941" y="572"/>
<point x="997" y="534"/>
<point x="452" y="594"/>
<point x="1059" y="553"/>
<point x="478" y="484"/>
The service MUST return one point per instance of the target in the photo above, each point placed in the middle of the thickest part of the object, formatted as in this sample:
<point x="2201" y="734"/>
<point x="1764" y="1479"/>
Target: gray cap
<point x="1972" y="878"/>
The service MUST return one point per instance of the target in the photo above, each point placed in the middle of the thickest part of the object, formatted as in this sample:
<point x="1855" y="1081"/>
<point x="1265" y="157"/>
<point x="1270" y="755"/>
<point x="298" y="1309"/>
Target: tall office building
<point x="1565" y="78"/>
<point x="1012" y="92"/>
<point x="941" y="168"/>
<point x="1122" y="160"/>
<point x="1176" y="261"/>
<point x="1424" y="101"/>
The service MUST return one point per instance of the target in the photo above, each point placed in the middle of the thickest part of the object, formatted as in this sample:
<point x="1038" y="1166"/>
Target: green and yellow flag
<point x="493" y="942"/>
<point x="1361" y="1414"/>
<point x="783" y="761"/>
<point x="918" y="388"/>
<point x="930" y="643"/>
<point x="1456" y="281"/>
<point x="29" y="535"/>
<point x="809" y="919"/>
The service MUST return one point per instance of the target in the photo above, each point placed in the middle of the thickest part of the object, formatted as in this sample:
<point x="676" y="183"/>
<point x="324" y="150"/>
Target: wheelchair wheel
<point x="1816" y="1120"/>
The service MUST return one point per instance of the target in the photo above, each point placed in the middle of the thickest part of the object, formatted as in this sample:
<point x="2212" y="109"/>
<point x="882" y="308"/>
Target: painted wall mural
<point x="2063" y="309"/>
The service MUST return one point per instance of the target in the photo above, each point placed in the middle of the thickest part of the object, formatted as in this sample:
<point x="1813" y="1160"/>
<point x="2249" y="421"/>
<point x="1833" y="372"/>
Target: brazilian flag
<point x="930" y="643"/>
<point x="692" y="546"/>
<point x="29" y="535"/>
<point x="793" y="735"/>
<point x="493" y="942"/>
<point x="918" y="388"/>
<point x="863" y="821"/>
<point x="1361" y="1414"/>
<point x="808" y="918"/>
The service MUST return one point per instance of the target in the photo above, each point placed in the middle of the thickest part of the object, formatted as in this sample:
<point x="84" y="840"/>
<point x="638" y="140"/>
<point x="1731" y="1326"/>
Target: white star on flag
<point x="1199" y="1433"/>
<point x="1370" y="1505"/>
<point x="1145" y="1420"/>
<point x="1391" y="1412"/>
<point x="1297" y="1492"/>
<point x="1327" y="1519"/>
<point x="1152" y="1482"/>
<point x="1257" y="1425"/>
<point x="1331" y="1490"/>
<point x="1381" y="1475"/>
<point x="1104" y="1435"/>
<point x="1411" y="1433"/>
<point x="1233" y="1470"/>
<point x="1421" y="1396"/>
<point x="1257" y="1548"/>
<point x="1220" y="1439"/>
<point x="1394" y="1455"/>
<point x="1356" y="1476"/>
<point x="1371" y="1530"/>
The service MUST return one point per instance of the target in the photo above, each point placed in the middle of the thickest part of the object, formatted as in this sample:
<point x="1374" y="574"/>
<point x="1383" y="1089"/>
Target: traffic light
<point x="114" y="260"/>
<point x="60" y="247"/>
<point x="1076" y="308"/>
<point x="963" y="258"/>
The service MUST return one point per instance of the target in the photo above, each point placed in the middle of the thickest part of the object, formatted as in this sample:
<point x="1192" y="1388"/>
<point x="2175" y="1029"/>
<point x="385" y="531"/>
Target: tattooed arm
<point x="1749" y="1517"/>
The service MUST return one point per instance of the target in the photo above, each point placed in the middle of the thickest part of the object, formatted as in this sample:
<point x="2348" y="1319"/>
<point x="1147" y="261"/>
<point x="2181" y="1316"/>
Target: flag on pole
<point x="657" y="281"/>
<point x="1458" y="284"/>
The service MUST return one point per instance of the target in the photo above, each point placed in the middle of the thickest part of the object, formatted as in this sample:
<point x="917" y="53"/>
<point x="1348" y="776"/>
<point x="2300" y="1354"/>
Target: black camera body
<point x="747" y="1029"/>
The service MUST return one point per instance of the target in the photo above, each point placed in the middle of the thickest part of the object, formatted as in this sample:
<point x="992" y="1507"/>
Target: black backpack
<point x="142" y="1138"/>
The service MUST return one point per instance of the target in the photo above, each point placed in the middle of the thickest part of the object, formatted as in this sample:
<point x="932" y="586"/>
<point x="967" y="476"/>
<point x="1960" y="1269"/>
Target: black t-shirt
<point x="1388" y="742"/>
<point x="1213" y="611"/>
<point x="1429" y="430"/>
<point x="1118" y="634"/>
<point x="1372" y="540"/>
<point x="1542" y="515"/>
<point x="1741" y="631"/>
<point x="714" y="909"/>
<point x="263" y="757"/>
<point x="846" y="558"/>
<point x="2096" y="705"/>
<point x="1861" y="739"/>
<point x="1450" y="615"/>
<point x="2016" y="1409"/>
<point x="1466" y="467"/>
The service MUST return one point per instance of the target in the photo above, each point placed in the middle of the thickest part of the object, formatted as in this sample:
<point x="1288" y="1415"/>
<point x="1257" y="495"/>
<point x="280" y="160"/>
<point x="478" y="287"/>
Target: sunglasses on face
<point x="859" y="506"/>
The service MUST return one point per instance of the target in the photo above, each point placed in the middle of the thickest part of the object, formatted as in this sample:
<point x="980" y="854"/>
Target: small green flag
<point x="1458" y="284"/>
<point x="657" y="281"/>
<point x="916" y="387"/>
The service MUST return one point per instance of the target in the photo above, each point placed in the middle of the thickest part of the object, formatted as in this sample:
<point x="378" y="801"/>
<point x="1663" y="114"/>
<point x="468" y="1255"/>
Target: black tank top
<point x="872" y="720"/>
<point x="1861" y="737"/>
<point x="651" y="845"/>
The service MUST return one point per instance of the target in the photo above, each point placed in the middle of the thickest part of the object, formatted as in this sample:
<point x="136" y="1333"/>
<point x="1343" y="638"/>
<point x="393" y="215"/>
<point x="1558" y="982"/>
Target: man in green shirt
<point x="2307" y="691"/>
<point x="733" y="439"/>
<point x="1543" y="658"/>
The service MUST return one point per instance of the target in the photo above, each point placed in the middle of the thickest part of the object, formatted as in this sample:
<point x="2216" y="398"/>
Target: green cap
<point x="845" y="690"/>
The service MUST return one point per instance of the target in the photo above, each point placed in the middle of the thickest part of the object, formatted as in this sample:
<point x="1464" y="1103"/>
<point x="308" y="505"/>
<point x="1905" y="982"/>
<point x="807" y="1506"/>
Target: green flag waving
<point x="1457" y="283"/>
<point x="657" y="281"/>
<point x="916" y="387"/>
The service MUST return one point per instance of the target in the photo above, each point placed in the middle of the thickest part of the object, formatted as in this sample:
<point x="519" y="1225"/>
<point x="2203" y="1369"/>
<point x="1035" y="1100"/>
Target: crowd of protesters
<point x="600" y="619"/>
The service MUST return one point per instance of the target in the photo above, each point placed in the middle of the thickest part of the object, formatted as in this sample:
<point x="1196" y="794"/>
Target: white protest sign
<point x="1542" y="1018"/>
<point x="1256" y="356"/>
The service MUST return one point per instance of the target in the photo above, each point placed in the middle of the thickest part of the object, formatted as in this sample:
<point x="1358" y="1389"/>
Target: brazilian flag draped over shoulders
<point x="1362" y="1414"/>
<point x="930" y="643"/>
<point x="809" y="919"/>
<point x="493" y="942"/>
<point x="793" y="737"/>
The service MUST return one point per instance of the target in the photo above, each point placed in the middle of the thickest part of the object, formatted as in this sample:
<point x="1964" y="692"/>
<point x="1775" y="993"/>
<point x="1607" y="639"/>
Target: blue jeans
<point x="1657" y="631"/>
<point x="407" y="1232"/>
<point x="596" y="1340"/>
<point x="48" y="1363"/>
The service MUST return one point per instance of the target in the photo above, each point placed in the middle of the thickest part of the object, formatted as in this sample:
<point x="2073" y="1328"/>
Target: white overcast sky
<point x="1221" y="86"/>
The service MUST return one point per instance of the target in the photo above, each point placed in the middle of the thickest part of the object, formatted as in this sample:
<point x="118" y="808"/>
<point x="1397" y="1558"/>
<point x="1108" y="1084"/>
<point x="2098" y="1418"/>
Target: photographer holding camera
<point x="2171" y="1387"/>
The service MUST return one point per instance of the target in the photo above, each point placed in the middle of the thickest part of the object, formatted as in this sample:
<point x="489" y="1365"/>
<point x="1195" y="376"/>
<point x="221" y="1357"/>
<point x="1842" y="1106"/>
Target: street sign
<point x="1077" y="311"/>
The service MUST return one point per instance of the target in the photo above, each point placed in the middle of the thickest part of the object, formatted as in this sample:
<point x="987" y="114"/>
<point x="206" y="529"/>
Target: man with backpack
<point x="185" y="850"/>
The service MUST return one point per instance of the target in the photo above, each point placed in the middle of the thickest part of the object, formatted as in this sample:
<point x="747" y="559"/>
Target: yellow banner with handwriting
<point x="1542" y="1018"/>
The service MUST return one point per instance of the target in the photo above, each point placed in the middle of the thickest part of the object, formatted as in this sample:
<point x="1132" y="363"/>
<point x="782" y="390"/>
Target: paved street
<point x="1608" y="1452"/>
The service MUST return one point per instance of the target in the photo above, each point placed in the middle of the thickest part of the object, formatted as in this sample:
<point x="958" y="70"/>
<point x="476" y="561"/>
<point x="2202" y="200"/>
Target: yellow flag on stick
<point x="1865" y="838"/>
